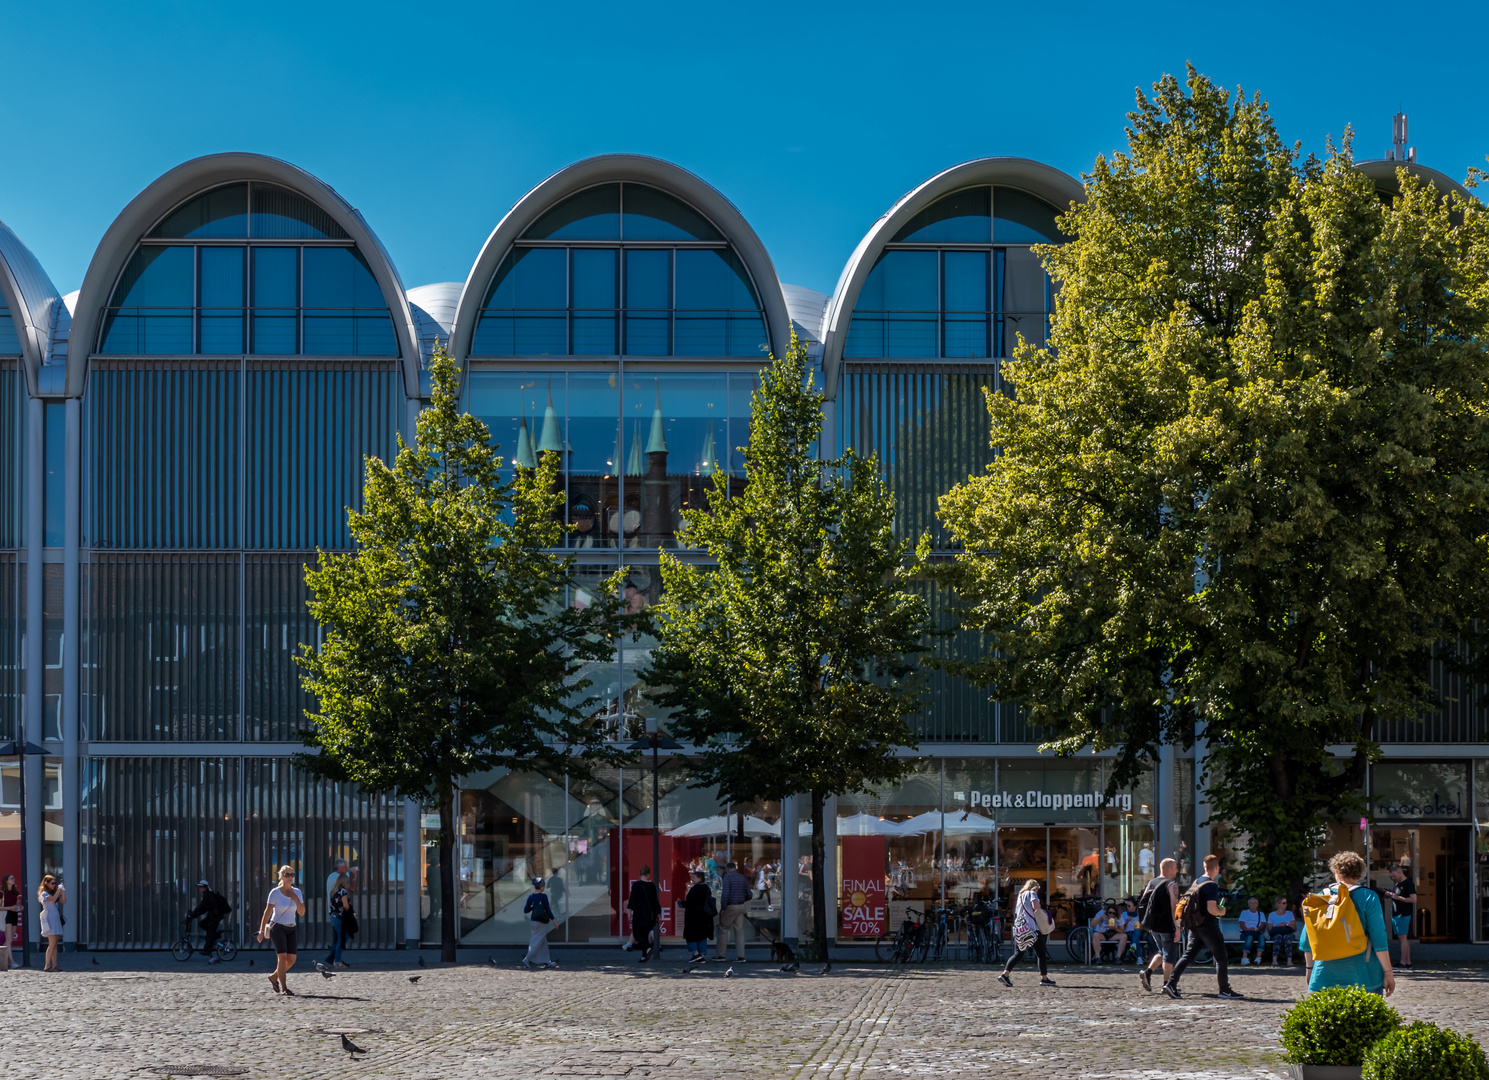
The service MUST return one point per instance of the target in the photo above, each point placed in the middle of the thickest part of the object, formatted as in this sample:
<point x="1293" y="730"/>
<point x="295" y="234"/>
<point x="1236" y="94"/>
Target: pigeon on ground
<point x="351" y="1048"/>
<point x="729" y="974"/>
<point x="322" y="969"/>
<point x="492" y="961"/>
<point x="250" y="963"/>
<point x="825" y="970"/>
<point x="421" y="962"/>
<point x="414" y="978"/>
<point x="95" y="961"/>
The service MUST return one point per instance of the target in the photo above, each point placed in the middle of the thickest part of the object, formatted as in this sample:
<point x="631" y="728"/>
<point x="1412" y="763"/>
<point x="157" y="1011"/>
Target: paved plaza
<point x="603" y="1015"/>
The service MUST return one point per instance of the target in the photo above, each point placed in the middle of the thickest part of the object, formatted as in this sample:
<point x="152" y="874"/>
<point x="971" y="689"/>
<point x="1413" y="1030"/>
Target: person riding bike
<point x="211" y="908"/>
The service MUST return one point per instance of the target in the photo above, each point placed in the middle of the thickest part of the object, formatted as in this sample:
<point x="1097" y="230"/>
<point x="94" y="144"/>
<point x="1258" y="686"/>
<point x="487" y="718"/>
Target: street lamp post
<point x="19" y="750"/>
<point x="655" y="741"/>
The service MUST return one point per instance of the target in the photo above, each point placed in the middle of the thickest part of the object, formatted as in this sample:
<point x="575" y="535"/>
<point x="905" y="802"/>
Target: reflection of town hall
<point x="180" y="436"/>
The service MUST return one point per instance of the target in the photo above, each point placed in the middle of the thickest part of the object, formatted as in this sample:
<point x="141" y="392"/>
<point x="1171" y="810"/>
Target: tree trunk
<point x="819" y="875"/>
<point x="448" y="908"/>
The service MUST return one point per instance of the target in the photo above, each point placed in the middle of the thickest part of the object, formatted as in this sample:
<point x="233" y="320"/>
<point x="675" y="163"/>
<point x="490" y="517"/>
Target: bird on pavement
<point x="95" y="961"/>
<point x="825" y="970"/>
<point x="322" y="969"/>
<point x="351" y="1048"/>
<point x="414" y="978"/>
<point x="729" y="974"/>
<point x="250" y="963"/>
<point x="421" y="962"/>
<point x="492" y="961"/>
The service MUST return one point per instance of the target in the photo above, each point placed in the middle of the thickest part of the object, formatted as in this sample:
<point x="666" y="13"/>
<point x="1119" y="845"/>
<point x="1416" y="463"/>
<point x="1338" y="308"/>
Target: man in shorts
<point x="1156" y="908"/>
<point x="1403" y="909"/>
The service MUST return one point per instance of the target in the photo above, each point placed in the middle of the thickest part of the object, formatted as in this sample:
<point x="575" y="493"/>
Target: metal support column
<point x="786" y="881"/>
<point x="71" y="650"/>
<point x="31" y="730"/>
<point x="413" y="861"/>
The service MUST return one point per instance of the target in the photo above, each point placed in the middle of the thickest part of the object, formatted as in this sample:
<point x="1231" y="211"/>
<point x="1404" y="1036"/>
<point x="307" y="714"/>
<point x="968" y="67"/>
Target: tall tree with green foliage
<point x="791" y="660"/>
<point x="449" y="645"/>
<point x="1243" y="491"/>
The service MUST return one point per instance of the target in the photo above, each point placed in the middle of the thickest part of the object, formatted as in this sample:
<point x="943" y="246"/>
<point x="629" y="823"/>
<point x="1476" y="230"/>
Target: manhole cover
<point x="197" y="1070"/>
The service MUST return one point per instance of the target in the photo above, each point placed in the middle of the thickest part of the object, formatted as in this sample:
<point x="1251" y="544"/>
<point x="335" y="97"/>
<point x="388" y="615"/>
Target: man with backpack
<point x="211" y="908"/>
<point x="1199" y="911"/>
<point x="1155" y="910"/>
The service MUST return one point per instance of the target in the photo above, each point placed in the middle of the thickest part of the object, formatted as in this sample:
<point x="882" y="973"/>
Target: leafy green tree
<point x="1243" y="490"/>
<point x="791" y="659"/>
<point x="449" y="647"/>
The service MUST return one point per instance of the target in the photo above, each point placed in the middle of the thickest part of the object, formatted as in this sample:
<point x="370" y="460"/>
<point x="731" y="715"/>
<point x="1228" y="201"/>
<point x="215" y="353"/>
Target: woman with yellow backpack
<point x="1344" y="939"/>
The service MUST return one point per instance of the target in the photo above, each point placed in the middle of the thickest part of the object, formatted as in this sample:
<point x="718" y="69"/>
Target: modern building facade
<point x="178" y="438"/>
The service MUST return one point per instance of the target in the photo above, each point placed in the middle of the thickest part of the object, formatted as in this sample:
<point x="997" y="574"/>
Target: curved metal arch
<point x="191" y="178"/>
<point x="1383" y="174"/>
<point x="1045" y="181"/>
<point x="609" y="169"/>
<point x="33" y="301"/>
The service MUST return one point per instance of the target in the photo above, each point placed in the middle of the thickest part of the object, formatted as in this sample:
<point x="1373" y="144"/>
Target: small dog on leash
<point x="780" y="951"/>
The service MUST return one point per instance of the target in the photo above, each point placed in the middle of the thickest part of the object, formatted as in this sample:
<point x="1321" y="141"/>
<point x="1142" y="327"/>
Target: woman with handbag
<point x="1031" y="933"/>
<point x="540" y="919"/>
<point x="698" y="912"/>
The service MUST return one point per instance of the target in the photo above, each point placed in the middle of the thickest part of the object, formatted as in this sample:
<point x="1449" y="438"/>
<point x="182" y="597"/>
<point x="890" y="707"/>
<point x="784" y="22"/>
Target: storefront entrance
<point x="1437" y="859"/>
<point x="1077" y="866"/>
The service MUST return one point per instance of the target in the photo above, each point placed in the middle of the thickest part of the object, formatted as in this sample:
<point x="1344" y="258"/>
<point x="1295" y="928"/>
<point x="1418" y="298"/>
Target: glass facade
<point x="958" y="280"/>
<point x="266" y="295"/>
<point x="621" y="269"/>
<point x="12" y="539"/>
<point x="10" y="342"/>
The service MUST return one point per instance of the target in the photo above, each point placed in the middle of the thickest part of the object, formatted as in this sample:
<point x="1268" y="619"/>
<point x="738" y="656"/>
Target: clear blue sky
<point x="433" y="119"/>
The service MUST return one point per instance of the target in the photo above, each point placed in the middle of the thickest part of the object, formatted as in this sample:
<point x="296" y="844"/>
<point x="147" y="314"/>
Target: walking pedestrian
<point x="1403" y="907"/>
<point x="734" y="899"/>
<point x="646" y="913"/>
<point x="540" y="924"/>
<point x="1371" y="966"/>
<point x="1156" y="910"/>
<point x="698" y="910"/>
<point x="1203" y="910"/>
<point x="10" y="903"/>
<point x="284" y="905"/>
<point x="338" y="904"/>
<point x="51" y="895"/>
<point x="211" y="907"/>
<point x="1031" y="933"/>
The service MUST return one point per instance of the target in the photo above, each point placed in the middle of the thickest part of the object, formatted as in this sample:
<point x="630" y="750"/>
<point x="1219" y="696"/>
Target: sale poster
<point x="670" y="879"/>
<point x="864" y="885"/>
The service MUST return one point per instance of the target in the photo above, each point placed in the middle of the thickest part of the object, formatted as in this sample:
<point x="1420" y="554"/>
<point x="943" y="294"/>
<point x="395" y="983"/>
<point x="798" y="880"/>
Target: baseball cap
<point x="202" y="882"/>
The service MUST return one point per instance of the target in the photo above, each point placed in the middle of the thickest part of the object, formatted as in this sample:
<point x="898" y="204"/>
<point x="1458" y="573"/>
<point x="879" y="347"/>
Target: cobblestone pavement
<point x="599" y="1017"/>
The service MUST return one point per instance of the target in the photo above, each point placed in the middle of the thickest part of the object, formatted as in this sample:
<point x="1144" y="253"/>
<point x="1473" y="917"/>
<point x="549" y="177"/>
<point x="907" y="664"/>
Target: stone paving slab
<point x="604" y="1015"/>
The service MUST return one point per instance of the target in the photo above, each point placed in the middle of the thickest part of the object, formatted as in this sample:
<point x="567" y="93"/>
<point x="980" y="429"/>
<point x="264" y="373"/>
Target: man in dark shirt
<point x="1159" y="897"/>
<point x="734" y="896"/>
<point x="1403" y="911"/>
<point x="1206" y="933"/>
<point x="211" y="907"/>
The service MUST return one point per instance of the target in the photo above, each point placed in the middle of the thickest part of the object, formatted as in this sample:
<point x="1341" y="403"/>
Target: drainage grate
<point x="197" y="1070"/>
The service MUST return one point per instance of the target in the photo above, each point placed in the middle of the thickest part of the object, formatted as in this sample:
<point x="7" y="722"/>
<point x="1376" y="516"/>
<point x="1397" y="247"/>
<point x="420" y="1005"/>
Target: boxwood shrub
<point x="1335" y="1026"/>
<point x="1422" y="1050"/>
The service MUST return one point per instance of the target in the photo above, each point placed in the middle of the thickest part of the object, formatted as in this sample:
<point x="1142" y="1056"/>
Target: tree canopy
<point x="1242" y="492"/>
<point x="789" y="657"/>
<point x="450" y="646"/>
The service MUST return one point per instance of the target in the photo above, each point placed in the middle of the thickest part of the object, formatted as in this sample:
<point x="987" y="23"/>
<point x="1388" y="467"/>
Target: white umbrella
<point x="954" y="823"/>
<point x="719" y="825"/>
<point x="867" y="825"/>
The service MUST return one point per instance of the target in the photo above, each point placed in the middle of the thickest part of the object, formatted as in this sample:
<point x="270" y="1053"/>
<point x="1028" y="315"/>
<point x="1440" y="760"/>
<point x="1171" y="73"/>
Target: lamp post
<point x="19" y="750"/>
<point x="655" y="741"/>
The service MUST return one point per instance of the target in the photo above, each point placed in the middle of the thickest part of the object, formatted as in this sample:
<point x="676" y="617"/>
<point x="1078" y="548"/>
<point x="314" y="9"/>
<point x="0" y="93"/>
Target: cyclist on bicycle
<point x="211" y="908"/>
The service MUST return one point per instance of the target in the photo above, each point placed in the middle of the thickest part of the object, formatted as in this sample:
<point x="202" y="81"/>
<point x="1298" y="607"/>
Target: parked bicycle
<point x="984" y="933"/>
<point x="183" y="948"/>
<point x="898" y="947"/>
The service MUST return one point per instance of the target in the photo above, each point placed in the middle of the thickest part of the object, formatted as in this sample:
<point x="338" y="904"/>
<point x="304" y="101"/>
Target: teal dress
<point x="1362" y="969"/>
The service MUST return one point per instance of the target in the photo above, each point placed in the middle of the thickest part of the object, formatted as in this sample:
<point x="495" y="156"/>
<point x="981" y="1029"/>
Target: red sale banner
<point x="668" y="878"/>
<point x="864" y="885"/>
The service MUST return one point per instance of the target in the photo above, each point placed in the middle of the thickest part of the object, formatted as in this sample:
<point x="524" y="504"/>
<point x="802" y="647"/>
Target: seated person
<point x="1253" y="930"/>
<point x="1104" y="928"/>
<point x="1130" y="925"/>
<point x="1282" y="926"/>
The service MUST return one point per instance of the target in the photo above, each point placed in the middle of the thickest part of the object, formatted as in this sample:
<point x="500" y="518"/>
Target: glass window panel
<point x="521" y="334"/>
<point x="742" y="386"/>
<point x="158" y="277"/>
<point x="216" y="214"/>
<point x="901" y="281"/>
<point x="1025" y="294"/>
<point x="701" y="333"/>
<point x="275" y="332"/>
<point x="531" y="278"/>
<point x="966" y="335"/>
<point x="10" y="341"/>
<point x="339" y="278"/>
<point x="330" y="335"/>
<point x="647" y="334"/>
<point x="276" y="279"/>
<point x="966" y="280"/>
<point x="910" y="335"/>
<point x="594" y="462"/>
<point x="594" y="335"/>
<point x="675" y="424"/>
<point x="867" y="335"/>
<point x="712" y="279"/>
<point x="221" y="332"/>
<point x="594" y="277"/>
<point x="1022" y="219"/>
<point x="55" y="430"/>
<point x="222" y="277"/>
<point x="959" y="218"/>
<point x="136" y="332"/>
<point x="373" y="334"/>
<point x="746" y="336"/>
<point x="280" y="214"/>
<point x="590" y="215"/>
<point x="648" y="284"/>
<point x="654" y="215"/>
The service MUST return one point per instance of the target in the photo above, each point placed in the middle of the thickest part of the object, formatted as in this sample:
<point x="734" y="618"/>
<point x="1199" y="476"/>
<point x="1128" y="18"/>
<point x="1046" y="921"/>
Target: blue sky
<point x="813" y="118"/>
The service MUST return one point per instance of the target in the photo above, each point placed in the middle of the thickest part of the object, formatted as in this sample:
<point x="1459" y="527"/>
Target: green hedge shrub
<point x="1335" y="1026"/>
<point x="1424" y="1051"/>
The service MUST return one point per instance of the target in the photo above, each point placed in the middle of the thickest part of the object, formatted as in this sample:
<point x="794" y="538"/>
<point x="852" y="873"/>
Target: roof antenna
<point x="1399" y="150"/>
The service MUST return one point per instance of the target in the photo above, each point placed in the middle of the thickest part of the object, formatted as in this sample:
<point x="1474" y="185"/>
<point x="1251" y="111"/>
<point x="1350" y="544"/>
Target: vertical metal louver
<point x="278" y="622"/>
<point x="12" y="455"/>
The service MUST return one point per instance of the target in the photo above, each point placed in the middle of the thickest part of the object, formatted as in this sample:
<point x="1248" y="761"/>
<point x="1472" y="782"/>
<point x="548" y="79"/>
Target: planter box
<point x="1324" y="1072"/>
